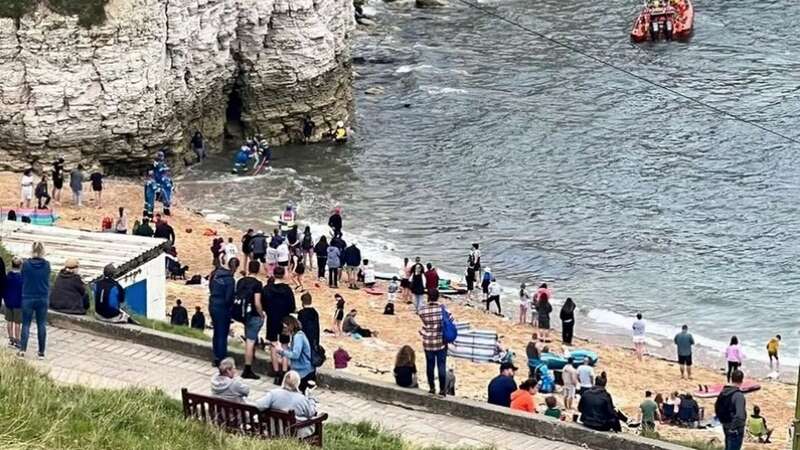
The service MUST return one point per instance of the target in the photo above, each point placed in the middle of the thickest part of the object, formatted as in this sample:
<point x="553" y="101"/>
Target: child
<point x="229" y="251"/>
<point x="340" y="359"/>
<point x="369" y="274"/>
<point x="13" y="299"/>
<point x="552" y="407"/>
<point x="772" y="351"/>
<point x="524" y="300"/>
<point x="391" y="295"/>
<point x="338" y="315"/>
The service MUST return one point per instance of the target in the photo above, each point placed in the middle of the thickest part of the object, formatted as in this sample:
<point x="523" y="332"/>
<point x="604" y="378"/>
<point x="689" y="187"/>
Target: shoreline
<point x="627" y="378"/>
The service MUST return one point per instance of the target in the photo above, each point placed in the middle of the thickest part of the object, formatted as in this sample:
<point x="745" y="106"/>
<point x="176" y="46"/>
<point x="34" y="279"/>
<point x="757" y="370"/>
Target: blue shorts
<point x="252" y="327"/>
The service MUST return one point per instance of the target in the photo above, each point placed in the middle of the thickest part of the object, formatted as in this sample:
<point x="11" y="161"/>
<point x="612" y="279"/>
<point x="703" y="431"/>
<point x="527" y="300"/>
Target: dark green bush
<point x="89" y="12"/>
<point x="16" y="8"/>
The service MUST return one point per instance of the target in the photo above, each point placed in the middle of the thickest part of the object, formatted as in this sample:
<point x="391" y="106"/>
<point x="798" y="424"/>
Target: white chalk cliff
<point x="157" y="70"/>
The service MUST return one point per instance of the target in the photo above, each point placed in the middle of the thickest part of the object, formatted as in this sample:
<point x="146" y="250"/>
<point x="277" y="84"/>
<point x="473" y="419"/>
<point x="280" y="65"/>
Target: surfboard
<point x="374" y="291"/>
<point x="715" y="389"/>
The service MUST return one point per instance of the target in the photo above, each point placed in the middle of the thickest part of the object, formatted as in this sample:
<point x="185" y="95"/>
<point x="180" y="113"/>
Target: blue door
<point x="136" y="298"/>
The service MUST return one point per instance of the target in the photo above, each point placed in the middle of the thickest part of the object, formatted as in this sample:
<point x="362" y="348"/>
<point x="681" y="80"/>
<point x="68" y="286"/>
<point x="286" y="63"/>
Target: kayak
<point x="670" y="19"/>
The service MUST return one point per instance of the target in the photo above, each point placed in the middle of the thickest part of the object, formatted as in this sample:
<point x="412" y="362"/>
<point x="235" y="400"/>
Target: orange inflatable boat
<point x="668" y="19"/>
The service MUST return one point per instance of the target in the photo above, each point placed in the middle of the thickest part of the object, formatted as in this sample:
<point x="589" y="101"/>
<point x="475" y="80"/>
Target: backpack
<point x="449" y="330"/>
<point x="318" y="356"/>
<point x="106" y="225"/>
<point x="724" y="407"/>
<point x="240" y="309"/>
<point x="389" y="309"/>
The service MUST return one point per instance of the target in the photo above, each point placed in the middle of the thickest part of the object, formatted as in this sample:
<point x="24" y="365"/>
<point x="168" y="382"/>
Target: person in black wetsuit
<point x="335" y="221"/>
<point x="308" y="128"/>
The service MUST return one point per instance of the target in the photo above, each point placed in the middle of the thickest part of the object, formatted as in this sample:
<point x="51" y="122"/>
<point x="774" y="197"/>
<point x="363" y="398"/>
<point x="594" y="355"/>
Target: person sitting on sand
<point x="501" y="386"/>
<point x="405" y="368"/>
<point x="597" y="408"/>
<point x="351" y="326"/>
<point x="757" y="427"/>
<point x="688" y="412"/>
<point x="227" y="385"/>
<point x="523" y="398"/>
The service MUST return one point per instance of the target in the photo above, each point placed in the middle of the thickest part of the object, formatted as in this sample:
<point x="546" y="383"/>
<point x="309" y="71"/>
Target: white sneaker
<point x="21" y="354"/>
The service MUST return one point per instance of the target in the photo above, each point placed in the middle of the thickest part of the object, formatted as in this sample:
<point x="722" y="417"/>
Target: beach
<point x="374" y="357"/>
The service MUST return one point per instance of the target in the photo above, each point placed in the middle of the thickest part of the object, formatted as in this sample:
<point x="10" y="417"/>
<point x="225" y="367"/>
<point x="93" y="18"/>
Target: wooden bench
<point x="245" y="419"/>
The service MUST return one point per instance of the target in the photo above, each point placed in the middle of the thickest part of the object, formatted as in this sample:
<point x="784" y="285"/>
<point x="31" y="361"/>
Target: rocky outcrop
<point x="431" y="3"/>
<point x="157" y="70"/>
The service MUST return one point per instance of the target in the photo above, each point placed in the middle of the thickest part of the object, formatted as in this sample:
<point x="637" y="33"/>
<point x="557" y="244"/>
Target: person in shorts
<point x="570" y="377"/>
<point x="639" y="337"/>
<point x="338" y="315"/>
<point x="12" y="296"/>
<point x="249" y="289"/>
<point x="773" y="346"/>
<point x="684" y="342"/>
<point x="96" y="177"/>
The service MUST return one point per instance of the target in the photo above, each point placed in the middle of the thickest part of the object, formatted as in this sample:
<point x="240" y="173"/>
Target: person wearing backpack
<point x="731" y="410"/>
<point x="247" y="309"/>
<point x="222" y="290"/>
<point x="433" y="342"/>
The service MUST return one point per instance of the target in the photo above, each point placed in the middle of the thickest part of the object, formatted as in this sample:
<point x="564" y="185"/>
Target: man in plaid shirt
<point x="433" y="342"/>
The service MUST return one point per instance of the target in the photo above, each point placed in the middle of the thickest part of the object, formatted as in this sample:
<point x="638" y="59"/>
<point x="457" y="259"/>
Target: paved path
<point x="81" y="358"/>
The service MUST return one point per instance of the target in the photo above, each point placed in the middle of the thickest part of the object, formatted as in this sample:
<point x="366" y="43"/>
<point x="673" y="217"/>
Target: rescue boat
<point x="670" y="19"/>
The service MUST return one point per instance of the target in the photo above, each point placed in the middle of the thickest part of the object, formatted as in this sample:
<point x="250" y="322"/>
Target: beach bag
<point x="449" y="330"/>
<point x="196" y="279"/>
<point x="318" y="356"/>
<point x="106" y="224"/>
<point x="388" y="309"/>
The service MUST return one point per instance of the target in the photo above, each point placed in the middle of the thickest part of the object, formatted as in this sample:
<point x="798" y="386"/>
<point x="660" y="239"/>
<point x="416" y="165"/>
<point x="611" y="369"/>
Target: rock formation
<point x="157" y="70"/>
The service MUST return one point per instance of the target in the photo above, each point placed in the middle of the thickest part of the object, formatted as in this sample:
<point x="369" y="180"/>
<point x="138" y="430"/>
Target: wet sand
<point x="374" y="357"/>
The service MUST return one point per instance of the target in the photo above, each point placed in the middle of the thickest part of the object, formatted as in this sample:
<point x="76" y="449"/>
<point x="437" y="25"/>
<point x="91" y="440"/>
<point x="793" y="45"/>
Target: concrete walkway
<point x="81" y="358"/>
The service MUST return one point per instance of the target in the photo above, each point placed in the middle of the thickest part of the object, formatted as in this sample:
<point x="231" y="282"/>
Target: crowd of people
<point x="30" y="189"/>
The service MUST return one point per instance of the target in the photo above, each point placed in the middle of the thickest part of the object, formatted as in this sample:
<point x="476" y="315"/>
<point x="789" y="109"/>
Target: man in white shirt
<point x="585" y="376"/>
<point x="229" y="251"/>
<point x="570" y="376"/>
<point x="638" y="337"/>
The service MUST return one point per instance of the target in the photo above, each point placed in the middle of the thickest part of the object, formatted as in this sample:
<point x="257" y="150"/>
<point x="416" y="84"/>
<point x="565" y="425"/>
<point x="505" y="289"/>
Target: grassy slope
<point x="36" y="413"/>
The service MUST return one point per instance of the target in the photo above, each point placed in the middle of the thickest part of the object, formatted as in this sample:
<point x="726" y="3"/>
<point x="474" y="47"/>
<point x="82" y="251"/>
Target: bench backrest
<point x="238" y="417"/>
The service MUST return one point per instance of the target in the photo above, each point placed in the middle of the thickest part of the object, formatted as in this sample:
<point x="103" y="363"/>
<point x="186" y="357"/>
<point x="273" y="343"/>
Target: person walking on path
<point x="684" y="342"/>
<point x="433" y="343"/>
<point x="567" y="316"/>
<point x="731" y="410"/>
<point x="76" y="185"/>
<point x="734" y="356"/>
<point x="35" y="295"/>
<point x="222" y="288"/>
<point x="638" y="337"/>
<point x="773" y="346"/>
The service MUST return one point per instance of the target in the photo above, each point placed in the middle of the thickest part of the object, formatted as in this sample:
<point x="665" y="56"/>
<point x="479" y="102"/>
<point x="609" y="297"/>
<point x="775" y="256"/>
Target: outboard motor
<point x="668" y="26"/>
<point x="654" y="29"/>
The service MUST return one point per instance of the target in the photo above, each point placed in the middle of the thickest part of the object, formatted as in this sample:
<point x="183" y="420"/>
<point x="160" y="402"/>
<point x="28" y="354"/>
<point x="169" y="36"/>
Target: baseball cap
<point x="507" y="365"/>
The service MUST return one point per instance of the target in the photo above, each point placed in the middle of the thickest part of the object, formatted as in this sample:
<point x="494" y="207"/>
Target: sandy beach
<point x="374" y="357"/>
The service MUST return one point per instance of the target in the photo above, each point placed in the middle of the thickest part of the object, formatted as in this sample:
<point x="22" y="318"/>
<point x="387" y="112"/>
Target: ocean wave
<point x="438" y="90"/>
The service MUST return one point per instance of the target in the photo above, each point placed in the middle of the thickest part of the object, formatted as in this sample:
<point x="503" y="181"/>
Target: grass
<point x="89" y="12"/>
<point x="36" y="413"/>
<point x="169" y="328"/>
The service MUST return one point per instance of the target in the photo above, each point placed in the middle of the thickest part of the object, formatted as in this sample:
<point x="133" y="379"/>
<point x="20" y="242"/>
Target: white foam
<point x="437" y="90"/>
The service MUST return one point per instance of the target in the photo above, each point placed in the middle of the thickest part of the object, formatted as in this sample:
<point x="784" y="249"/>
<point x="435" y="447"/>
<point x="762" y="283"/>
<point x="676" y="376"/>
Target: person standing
<point x="433" y="343"/>
<point x="249" y="290"/>
<point x="179" y="315"/>
<point x="278" y="302"/>
<point x="524" y="301"/>
<point x="58" y="179"/>
<point x="648" y="412"/>
<point x="731" y="410"/>
<point x="11" y="288"/>
<point x="335" y="222"/>
<point x="42" y="194"/>
<point x="773" y="346"/>
<point x="321" y="250"/>
<point x="352" y="260"/>
<point x="96" y="178"/>
<point x="570" y="376"/>
<point x="76" y="185"/>
<point x="334" y="262"/>
<point x="585" y="376"/>
<point x="418" y="287"/>
<point x="734" y="356"/>
<point x="229" y="251"/>
<point x="474" y="261"/>
<point x="543" y="310"/>
<point x="567" y="316"/>
<point x="247" y="248"/>
<point x="308" y="128"/>
<point x="35" y="295"/>
<point x="307" y="248"/>
<point x="638" y="337"/>
<point x="26" y="189"/>
<point x="199" y="146"/>
<point x="494" y="296"/>
<point x="309" y="322"/>
<point x="222" y="288"/>
<point x="684" y="342"/>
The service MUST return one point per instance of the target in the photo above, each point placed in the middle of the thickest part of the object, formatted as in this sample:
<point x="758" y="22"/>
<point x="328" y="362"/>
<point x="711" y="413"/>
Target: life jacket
<point x="340" y="134"/>
<point x="288" y="216"/>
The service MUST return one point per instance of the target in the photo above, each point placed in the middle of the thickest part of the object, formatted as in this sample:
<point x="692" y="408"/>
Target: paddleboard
<point x="374" y="291"/>
<point x="715" y="389"/>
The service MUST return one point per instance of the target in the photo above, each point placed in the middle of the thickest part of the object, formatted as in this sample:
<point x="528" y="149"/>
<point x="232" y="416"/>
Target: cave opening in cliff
<point x="233" y="114"/>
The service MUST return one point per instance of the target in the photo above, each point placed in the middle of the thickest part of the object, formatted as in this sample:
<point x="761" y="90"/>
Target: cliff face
<point x="157" y="70"/>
